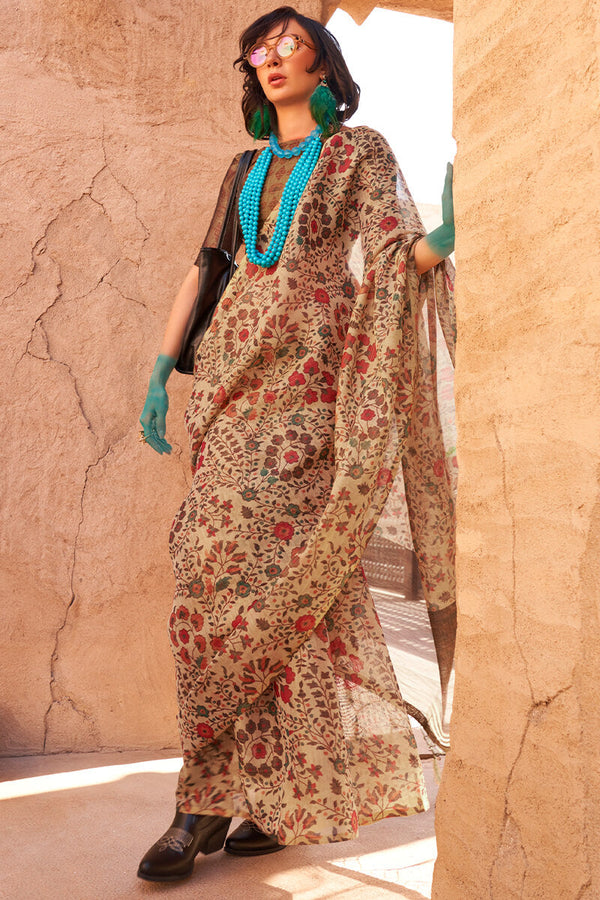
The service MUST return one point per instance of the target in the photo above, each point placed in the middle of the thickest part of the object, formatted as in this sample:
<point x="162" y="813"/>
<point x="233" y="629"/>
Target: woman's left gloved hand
<point x="441" y="240"/>
<point x="155" y="408"/>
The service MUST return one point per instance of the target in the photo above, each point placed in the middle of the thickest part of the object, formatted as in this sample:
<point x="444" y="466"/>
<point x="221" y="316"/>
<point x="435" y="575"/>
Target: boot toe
<point x="249" y="840"/>
<point x="163" y="870"/>
<point x="171" y="858"/>
<point x="165" y="863"/>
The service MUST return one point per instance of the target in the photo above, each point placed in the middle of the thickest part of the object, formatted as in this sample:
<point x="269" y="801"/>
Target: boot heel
<point x="216" y="840"/>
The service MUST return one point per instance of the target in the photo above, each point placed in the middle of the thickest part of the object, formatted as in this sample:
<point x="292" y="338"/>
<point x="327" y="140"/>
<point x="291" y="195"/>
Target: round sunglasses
<point x="285" y="47"/>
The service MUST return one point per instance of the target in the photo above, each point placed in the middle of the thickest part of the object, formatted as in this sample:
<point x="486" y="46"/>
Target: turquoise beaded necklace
<point x="308" y="152"/>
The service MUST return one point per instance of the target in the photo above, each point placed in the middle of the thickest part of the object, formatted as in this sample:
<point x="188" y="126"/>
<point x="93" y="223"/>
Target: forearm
<point x="439" y="243"/>
<point x="434" y="247"/>
<point x="180" y="314"/>
<point x="425" y="256"/>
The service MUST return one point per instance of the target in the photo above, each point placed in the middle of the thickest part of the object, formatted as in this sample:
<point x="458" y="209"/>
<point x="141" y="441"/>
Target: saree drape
<point x="314" y="428"/>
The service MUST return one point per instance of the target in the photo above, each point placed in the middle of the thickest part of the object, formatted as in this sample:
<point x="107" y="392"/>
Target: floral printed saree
<point x="313" y="419"/>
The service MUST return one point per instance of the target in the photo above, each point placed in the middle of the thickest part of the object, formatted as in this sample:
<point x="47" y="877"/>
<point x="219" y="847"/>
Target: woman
<point x="310" y="394"/>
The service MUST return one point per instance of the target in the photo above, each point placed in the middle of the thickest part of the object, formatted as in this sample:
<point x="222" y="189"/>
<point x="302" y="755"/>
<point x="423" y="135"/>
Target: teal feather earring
<point x="260" y="123"/>
<point x="323" y="107"/>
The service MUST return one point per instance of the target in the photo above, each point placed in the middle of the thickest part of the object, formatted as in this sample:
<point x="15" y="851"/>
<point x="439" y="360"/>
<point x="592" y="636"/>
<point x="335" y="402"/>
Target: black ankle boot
<point x="172" y="856"/>
<point x="249" y="840"/>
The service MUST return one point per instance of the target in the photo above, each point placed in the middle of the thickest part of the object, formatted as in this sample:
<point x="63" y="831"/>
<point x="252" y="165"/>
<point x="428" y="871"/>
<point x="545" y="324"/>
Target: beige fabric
<point x="314" y="391"/>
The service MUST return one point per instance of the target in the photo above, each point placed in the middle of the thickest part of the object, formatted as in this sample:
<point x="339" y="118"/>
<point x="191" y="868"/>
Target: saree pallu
<point x="314" y="404"/>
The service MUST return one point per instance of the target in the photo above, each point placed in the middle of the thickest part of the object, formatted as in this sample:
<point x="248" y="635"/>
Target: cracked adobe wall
<point x="119" y="120"/>
<point x="360" y="9"/>
<point x="116" y="130"/>
<point x="518" y="813"/>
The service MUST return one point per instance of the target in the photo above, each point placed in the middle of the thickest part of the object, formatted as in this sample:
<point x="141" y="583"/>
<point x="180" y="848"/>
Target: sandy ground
<point x="74" y="827"/>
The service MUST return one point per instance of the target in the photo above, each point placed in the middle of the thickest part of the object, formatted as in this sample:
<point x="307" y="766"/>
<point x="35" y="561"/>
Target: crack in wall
<point x="105" y="280"/>
<point x="584" y="889"/>
<point x="42" y="240"/>
<point x="40" y="246"/>
<point x="73" y="378"/>
<point x="22" y="284"/>
<point x="87" y="192"/>
<point x="40" y="345"/>
<point x="533" y="711"/>
<point x="103" y="141"/>
<point x="38" y="322"/>
<point x="38" y="326"/>
<point x="511" y="513"/>
<point x="588" y="583"/>
<point x="56" y="697"/>
<point x="126" y="190"/>
<point x="589" y="803"/>
<point x="179" y="453"/>
<point x="123" y="187"/>
<point x="535" y="705"/>
<point x="58" y="694"/>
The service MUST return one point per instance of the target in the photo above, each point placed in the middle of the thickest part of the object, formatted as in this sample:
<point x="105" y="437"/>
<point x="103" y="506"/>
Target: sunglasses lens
<point x="286" y="46"/>
<point x="258" y="56"/>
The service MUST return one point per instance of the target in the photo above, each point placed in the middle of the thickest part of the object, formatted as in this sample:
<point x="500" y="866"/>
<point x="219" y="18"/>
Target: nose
<point x="272" y="56"/>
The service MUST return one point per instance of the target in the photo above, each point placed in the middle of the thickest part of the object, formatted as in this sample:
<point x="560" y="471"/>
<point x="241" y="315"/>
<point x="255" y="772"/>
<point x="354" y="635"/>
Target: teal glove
<point x="153" y="417"/>
<point x="441" y="240"/>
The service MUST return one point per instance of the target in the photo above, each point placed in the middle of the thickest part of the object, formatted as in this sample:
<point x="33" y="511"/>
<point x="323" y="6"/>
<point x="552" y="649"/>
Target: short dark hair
<point x="329" y="56"/>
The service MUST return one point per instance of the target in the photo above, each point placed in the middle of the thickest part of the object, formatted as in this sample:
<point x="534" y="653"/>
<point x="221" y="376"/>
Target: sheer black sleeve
<point x="214" y="229"/>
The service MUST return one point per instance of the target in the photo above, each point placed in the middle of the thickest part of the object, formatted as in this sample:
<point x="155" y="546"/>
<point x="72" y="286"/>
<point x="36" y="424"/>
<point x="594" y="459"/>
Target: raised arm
<point x="438" y="244"/>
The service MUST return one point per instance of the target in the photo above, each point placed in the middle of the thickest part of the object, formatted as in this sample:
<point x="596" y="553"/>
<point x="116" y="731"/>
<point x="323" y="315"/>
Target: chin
<point x="276" y="95"/>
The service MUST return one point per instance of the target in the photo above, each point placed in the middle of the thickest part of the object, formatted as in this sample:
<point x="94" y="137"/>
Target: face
<point x="286" y="81"/>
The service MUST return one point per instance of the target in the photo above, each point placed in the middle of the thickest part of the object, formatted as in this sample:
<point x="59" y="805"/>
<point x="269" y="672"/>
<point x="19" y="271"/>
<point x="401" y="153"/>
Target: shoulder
<point x="232" y="169"/>
<point x="363" y="142"/>
<point x="364" y="136"/>
<point x="236" y="160"/>
<point x="238" y="156"/>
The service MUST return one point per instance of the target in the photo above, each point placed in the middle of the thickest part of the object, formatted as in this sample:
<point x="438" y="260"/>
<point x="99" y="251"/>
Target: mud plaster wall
<point x="518" y="813"/>
<point x="116" y="127"/>
<point x="118" y="121"/>
<point x="360" y="9"/>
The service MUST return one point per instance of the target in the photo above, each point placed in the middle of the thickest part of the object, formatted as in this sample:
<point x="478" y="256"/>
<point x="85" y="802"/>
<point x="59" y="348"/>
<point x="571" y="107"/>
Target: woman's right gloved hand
<point x="441" y="240"/>
<point x="153" y="417"/>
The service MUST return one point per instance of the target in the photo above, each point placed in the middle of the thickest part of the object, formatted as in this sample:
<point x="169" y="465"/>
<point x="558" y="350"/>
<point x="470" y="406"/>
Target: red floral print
<point x="389" y="223"/>
<point x="313" y="387"/>
<point x="305" y="623"/>
<point x="284" y="531"/>
<point x="204" y="730"/>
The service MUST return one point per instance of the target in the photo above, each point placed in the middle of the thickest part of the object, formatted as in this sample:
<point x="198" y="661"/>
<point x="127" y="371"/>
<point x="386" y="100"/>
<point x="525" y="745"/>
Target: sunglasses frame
<point x="295" y="37"/>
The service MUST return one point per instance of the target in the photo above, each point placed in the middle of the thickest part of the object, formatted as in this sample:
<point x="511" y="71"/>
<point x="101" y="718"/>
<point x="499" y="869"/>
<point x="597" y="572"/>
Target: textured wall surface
<point x="360" y="9"/>
<point x="118" y="120"/>
<point x="518" y="813"/>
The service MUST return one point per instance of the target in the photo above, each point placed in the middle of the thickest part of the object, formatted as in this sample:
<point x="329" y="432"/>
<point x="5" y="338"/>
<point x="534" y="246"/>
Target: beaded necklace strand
<point x="308" y="152"/>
